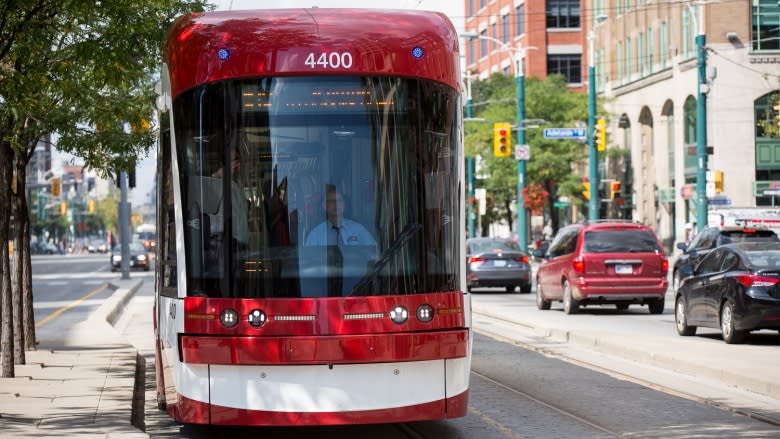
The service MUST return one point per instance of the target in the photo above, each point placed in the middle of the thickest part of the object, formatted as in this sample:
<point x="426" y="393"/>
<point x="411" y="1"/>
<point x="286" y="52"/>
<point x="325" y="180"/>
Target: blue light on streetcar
<point x="418" y="52"/>
<point x="223" y="54"/>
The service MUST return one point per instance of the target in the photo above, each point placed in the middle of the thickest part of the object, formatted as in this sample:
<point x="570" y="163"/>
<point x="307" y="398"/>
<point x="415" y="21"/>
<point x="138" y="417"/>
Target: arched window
<point x="767" y="146"/>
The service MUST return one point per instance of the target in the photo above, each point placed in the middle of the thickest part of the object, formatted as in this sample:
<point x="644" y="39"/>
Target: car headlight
<point x="141" y="257"/>
<point x="116" y="258"/>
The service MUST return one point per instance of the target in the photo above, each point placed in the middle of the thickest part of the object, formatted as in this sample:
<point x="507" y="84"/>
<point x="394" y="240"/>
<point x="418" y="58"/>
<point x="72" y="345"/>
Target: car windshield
<point x="496" y="245"/>
<point x="748" y="235"/>
<point x="135" y="247"/>
<point x="620" y="241"/>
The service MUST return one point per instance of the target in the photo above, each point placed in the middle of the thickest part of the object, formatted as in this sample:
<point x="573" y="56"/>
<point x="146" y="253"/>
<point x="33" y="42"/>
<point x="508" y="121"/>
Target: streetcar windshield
<point x="319" y="186"/>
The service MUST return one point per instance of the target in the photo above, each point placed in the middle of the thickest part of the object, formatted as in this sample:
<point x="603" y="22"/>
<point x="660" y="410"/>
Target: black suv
<point x="712" y="237"/>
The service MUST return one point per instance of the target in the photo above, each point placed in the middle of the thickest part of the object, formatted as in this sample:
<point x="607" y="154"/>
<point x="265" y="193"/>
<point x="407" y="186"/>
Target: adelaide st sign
<point x="564" y="133"/>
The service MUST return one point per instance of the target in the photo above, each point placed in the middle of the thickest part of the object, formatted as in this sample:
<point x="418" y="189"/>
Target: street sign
<point x="719" y="201"/>
<point x="522" y="152"/>
<point x="561" y="204"/>
<point x="768" y="192"/>
<point x="564" y="133"/>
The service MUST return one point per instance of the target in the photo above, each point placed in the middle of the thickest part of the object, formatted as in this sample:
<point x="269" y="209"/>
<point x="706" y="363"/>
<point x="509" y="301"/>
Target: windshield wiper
<point x="375" y="269"/>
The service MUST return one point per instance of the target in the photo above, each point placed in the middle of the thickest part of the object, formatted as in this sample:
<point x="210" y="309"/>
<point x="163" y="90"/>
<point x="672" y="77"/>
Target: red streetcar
<point x="310" y="263"/>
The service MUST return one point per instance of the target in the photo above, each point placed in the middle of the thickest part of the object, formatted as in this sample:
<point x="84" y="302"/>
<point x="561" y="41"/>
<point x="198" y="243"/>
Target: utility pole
<point x="470" y="168"/>
<point x="522" y="218"/>
<point x="593" y="179"/>
<point x="701" y="119"/>
<point x="124" y="223"/>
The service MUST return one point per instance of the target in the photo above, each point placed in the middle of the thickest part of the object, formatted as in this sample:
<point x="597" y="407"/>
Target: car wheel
<point x="656" y="306"/>
<point x="681" y="319"/>
<point x="525" y="288"/>
<point x="570" y="304"/>
<point x="730" y="334"/>
<point x="621" y="306"/>
<point x="541" y="303"/>
<point x="510" y="289"/>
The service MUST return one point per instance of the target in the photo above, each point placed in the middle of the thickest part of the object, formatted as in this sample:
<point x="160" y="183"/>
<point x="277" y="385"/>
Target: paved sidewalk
<point x="84" y="389"/>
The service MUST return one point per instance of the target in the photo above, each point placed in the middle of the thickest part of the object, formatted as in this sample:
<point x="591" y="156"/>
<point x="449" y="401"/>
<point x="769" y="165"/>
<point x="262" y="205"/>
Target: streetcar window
<point x="269" y="163"/>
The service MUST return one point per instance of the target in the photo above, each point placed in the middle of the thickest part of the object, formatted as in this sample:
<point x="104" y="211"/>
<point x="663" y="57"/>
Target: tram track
<point x="746" y="412"/>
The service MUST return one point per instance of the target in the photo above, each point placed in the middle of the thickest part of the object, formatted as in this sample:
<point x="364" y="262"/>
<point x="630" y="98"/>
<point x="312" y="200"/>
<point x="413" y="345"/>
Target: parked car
<point x="496" y="262"/>
<point x="41" y="248"/>
<point x="736" y="288"/>
<point x="710" y="238"/>
<point x="139" y="257"/>
<point x="603" y="262"/>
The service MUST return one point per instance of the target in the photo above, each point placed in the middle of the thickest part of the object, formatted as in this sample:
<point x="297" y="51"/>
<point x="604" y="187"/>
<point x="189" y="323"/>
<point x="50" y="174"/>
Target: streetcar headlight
<point x="229" y="318"/>
<point x="257" y="318"/>
<point x="399" y="314"/>
<point x="425" y="313"/>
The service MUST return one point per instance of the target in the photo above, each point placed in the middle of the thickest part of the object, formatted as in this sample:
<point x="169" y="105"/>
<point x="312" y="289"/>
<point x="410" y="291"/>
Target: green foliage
<point x="84" y="71"/>
<point x="552" y="161"/>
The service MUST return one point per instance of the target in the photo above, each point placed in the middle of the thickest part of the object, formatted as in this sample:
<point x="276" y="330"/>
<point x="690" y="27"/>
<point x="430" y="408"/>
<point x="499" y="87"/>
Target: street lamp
<point x="517" y="60"/>
<point x="593" y="202"/>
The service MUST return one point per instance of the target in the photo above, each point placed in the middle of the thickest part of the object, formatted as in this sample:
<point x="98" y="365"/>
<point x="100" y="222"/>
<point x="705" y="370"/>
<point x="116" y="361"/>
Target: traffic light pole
<point x="470" y="165"/>
<point x="522" y="218"/>
<point x="701" y="122"/>
<point x="593" y="202"/>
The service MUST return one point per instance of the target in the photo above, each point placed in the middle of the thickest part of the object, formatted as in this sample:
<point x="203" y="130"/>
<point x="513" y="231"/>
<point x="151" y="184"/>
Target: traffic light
<point x="131" y="178"/>
<point x="614" y="189"/>
<point x="63" y="208"/>
<point x="718" y="180"/>
<point x="586" y="190"/>
<point x="56" y="186"/>
<point x="91" y="206"/>
<point x="600" y="136"/>
<point x="501" y="133"/>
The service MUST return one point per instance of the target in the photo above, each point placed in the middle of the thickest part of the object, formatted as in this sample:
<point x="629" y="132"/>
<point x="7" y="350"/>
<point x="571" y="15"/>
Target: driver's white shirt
<point x="349" y="232"/>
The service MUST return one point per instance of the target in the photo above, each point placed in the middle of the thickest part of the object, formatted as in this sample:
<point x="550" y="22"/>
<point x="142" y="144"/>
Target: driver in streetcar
<point x="336" y="229"/>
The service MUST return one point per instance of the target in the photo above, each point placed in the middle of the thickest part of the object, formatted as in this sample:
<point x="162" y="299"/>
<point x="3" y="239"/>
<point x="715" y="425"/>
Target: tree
<point x="86" y="73"/>
<point x="551" y="166"/>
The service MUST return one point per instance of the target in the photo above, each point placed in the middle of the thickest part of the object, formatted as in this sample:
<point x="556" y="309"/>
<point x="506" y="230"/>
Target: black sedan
<point x="139" y="257"/>
<point x="710" y="238"/>
<point x="736" y="288"/>
<point x="495" y="262"/>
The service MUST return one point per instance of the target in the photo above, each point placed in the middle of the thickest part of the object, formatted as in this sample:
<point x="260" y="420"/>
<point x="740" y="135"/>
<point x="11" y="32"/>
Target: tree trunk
<point x="17" y="286"/>
<point x="6" y="337"/>
<point x="23" y="255"/>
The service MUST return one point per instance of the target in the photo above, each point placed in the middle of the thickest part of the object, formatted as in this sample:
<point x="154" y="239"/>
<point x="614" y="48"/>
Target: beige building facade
<point x="647" y="78"/>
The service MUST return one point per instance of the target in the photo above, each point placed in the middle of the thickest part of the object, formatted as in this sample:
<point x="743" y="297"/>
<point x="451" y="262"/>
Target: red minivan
<point x="603" y="262"/>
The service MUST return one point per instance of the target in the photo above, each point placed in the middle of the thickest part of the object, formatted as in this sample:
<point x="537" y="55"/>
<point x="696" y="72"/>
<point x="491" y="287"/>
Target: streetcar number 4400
<point x="329" y="60"/>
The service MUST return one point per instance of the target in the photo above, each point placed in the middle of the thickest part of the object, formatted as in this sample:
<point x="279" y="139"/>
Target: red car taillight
<point x="475" y="259"/>
<point x="664" y="265"/>
<point x="579" y="265"/>
<point x="754" y="280"/>
<point x="521" y="258"/>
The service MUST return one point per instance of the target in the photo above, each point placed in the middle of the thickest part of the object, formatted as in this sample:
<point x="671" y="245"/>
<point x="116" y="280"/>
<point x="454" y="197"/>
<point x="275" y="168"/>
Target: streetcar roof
<point x="212" y="46"/>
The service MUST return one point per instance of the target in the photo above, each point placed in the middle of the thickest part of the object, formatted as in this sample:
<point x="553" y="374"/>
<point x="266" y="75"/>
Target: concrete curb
<point x="111" y="310"/>
<point x="653" y="357"/>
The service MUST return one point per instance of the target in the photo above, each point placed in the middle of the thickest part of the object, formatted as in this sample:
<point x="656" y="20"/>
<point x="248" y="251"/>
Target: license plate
<point x="499" y="263"/>
<point x="623" y="269"/>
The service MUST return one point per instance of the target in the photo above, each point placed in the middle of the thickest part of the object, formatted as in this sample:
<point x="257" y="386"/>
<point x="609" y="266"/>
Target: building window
<point x="689" y="137"/>
<point x="520" y="19"/>
<point x="472" y="49"/>
<point x="765" y="25"/>
<point x="471" y="8"/>
<point x="494" y="34"/>
<point x="686" y="33"/>
<point x="563" y="13"/>
<point x="664" y="45"/>
<point x="649" y="51"/>
<point x="481" y="4"/>
<point x="629" y="67"/>
<point x="570" y="66"/>
<point x="601" y="70"/>
<point x="505" y="28"/>
<point x="619" y="64"/>
<point x="483" y="43"/>
<point x="640" y="58"/>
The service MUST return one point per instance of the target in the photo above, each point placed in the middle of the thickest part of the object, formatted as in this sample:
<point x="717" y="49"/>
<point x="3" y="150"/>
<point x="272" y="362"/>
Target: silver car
<point x="496" y="262"/>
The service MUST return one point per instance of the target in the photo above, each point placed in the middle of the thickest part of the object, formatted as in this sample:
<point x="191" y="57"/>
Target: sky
<point x="145" y="170"/>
